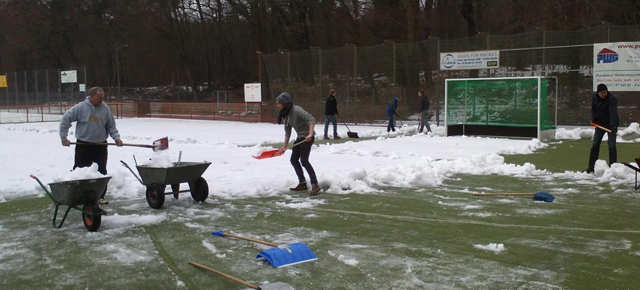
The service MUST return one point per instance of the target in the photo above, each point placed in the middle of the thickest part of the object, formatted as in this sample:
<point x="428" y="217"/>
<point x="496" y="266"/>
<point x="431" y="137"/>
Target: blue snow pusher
<point x="279" y="255"/>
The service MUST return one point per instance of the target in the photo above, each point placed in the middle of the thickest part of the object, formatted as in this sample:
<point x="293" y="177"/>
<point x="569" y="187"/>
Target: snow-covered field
<point x="402" y="159"/>
<point x="383" y="220"/>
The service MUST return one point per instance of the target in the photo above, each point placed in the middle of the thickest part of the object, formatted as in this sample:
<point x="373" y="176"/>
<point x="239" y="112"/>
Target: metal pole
<point x="48" y="93"/>
<point x="26" y="89"/>
<point x="438" y="83"/>
<point x="86" y="83"/>
<point x="544" y="52"/>
<point x="37" y="97"/>
<point x="118" y="68"/>
<point x="7" y="88"/>
<point x="15" y="77"/>
<point x="59" y="88"/>
<point x="355" y="80"/>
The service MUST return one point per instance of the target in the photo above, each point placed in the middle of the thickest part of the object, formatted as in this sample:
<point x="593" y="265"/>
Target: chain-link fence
<point x="366" y="78"/>
<point x="42" y="87"/>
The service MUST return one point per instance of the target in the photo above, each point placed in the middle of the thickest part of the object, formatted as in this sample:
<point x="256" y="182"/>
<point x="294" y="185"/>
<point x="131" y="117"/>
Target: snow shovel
<point x="275" y="153"/>
<point x="279" y="255"/>
<point x="540" y="196"/>
<point x="350" y="134"/>
<point x="628" y="136"/>
<point x="270" y="286"/>
<point x="158" y="145"/>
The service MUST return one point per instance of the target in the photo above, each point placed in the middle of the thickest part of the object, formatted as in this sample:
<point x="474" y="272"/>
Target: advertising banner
<point x="467" y="60"/>
<point x="617" y="65"/>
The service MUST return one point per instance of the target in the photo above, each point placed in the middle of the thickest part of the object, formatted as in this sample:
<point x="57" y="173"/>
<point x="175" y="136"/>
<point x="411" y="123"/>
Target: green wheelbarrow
<point x="156" y="179"/>
<point x="81" y="194"/>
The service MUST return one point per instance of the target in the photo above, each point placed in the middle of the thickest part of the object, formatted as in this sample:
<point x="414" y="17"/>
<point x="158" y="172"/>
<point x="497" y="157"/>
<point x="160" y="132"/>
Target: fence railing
<point x="53" y="113"/>
<point x="208" y="111"/>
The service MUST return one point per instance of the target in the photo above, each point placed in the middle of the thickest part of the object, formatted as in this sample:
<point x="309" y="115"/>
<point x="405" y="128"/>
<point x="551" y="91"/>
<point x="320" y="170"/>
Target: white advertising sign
<point x="252" y="93"/>
<point x="68" y="76"/>
<point x="617" y="65"/>
<point x="82" y="87"/>
<point x="466" y="60"/>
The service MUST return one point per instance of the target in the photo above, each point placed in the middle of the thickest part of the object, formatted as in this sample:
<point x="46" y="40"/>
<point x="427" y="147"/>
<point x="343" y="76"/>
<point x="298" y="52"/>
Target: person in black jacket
<point x="424" y="113"/>
<point x="604" y="112"/>
<point x="330" y="112"/>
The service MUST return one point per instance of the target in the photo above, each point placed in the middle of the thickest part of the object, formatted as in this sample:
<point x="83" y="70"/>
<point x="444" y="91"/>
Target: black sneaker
<point x="589" y="170"/>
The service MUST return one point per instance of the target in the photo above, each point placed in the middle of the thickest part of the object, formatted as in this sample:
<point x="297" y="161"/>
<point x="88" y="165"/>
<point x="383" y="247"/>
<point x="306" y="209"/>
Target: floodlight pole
<point x="118" y="68"/>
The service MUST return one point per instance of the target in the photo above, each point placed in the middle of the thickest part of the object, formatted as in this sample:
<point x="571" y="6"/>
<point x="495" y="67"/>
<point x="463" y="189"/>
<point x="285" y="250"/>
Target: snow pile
<point x="493" y="247"/>
<point x="90" y="172"/>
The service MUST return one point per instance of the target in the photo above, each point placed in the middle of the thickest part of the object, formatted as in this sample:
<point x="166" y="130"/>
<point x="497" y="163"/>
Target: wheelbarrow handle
<point x="134" y="174"/>
<point x="44" y="187"/>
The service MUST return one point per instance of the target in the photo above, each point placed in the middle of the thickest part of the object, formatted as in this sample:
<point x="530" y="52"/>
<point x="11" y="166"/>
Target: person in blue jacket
<point x="391" y="113"/>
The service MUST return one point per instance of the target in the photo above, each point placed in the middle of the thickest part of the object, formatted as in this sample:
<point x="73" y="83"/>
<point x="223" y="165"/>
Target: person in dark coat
<point x="604" y="112"/>
<point x="392" y="107"/>
<point x="330" y="112"/>
<point x="424" y="113"/>
<point x="294" y="116"/>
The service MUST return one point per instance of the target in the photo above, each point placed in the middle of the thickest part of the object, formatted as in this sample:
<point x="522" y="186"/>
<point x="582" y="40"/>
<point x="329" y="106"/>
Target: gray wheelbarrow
<point x="156" y="179"/>
<point x="73" y="193"/>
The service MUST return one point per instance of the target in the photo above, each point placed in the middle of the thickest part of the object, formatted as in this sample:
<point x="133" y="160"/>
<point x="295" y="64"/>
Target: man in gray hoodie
<point x="94" y="123"/>
<point x="296" y="117"/>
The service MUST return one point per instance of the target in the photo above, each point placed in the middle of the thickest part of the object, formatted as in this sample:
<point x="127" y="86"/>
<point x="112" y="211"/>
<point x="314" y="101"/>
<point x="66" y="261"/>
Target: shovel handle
<point x="221" y="233"/>
<point x="502" y="194"/>
<point x="603" y="128"/>
<point x="105" y="144"/>
<point x="224" y="275"/>
<point x="345" y="124"/>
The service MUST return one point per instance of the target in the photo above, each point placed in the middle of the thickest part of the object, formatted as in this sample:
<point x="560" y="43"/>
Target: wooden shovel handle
<point x="603" y="128"/>
<point x="124" y="144"/>
<point x="224" y="275"/>
<point x="250" y="239"/>
<point x="502" y="194"/>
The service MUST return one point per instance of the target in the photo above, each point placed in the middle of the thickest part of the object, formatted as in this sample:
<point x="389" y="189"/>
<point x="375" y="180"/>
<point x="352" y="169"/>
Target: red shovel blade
<point x="268" y="154"/>
<point x="161" y="144"/>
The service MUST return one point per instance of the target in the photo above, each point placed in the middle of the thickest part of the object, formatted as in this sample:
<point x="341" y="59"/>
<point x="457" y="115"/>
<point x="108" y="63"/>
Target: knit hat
<point x="283" y="98"/>
<point x="602" y="87"/>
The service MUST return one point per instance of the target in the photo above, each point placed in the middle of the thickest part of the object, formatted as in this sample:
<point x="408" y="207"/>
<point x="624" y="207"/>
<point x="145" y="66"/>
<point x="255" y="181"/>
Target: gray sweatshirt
<point x="94" y="122"/>
<point x="300" y="120"/>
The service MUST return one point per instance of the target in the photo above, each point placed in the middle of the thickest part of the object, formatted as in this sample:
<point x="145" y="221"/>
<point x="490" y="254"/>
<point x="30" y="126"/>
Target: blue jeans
<point x="595" y="148"/>
<point x="391" y="125"/>
<point x="334" y="120"/>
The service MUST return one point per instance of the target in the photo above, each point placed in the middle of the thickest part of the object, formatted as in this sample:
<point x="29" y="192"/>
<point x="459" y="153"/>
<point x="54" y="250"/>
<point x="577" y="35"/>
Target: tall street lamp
<point x="118" y="67"/>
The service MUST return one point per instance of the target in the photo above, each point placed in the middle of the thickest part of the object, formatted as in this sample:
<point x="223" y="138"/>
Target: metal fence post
<point x="26" y="91"/>
<point x="48" y="95"/>
<point x="37" y="98"/>
<point x="59" y="88"/>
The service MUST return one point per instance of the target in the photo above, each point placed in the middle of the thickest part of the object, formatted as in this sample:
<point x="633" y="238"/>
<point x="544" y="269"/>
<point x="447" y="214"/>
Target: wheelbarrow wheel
<point x="199" y="189"/>
<point x="92" y="221"/>
<point x="155" y="195"/>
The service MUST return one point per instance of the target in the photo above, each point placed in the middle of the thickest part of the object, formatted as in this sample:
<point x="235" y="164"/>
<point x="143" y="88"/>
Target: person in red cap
<point x="604" y="112"/>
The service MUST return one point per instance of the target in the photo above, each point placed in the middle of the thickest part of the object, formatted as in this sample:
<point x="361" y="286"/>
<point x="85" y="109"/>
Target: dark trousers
<point x="86" y="155"/>
<point x="424" y="116"/>
<point x="301" y="154"/>
<point x="595" y="148"/>
<point x="392" y="122"/>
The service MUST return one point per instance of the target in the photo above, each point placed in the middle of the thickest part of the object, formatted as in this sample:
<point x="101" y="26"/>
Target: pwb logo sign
<point x="607" y="56"/>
